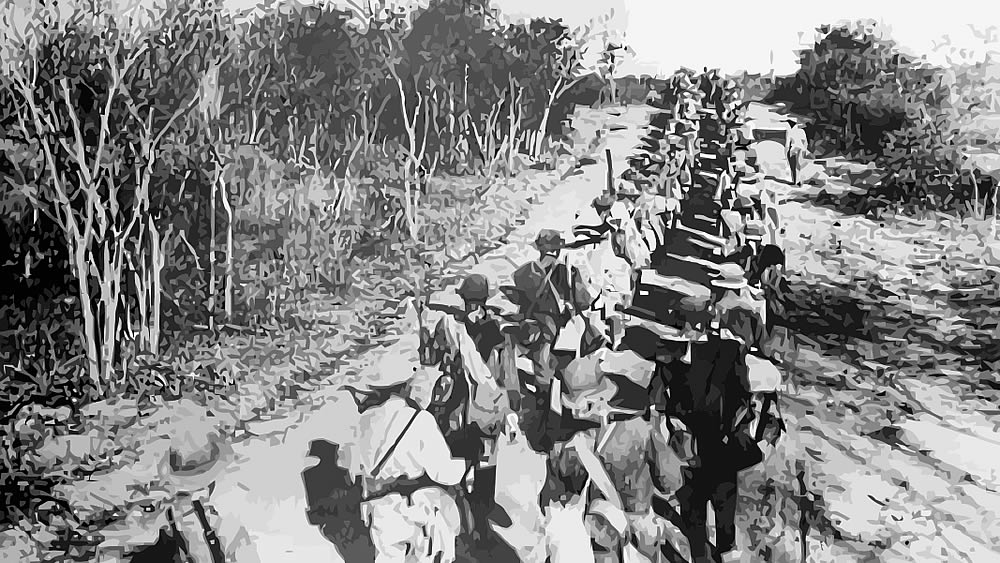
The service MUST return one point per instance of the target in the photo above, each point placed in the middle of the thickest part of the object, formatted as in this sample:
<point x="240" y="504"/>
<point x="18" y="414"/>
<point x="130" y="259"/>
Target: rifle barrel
<point x="211" y="538"/>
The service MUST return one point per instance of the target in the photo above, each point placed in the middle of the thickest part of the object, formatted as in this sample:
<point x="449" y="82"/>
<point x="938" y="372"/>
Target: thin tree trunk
<point x="109" y="302"/>
<point x="229" y="247"/>
<point x="211" y="259"/>
<point x="81" y="265"/>
<point x="140" y="276"/>
<point x="544" y="126"/>
<point x="157" y="258"/>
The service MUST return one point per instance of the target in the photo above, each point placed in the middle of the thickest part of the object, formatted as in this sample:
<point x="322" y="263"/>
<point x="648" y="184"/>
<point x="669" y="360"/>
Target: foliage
<point x="876" y="100"/>
<point x="177" y="168"/>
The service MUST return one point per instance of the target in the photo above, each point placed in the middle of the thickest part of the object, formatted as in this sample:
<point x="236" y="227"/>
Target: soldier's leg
<point x="536" y="417"/>
<point x="693" y="497"/>
<point x="724" y="498"/>
<point x="666" y="468"/>
<point x="439" y="518"/>
<point x="391" y="531"/>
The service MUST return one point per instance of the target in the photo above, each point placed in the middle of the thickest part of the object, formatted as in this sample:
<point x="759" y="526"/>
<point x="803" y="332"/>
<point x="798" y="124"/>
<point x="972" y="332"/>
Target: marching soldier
<point x="476" y="359"/>
<point x="410" y="481"/>
<point x="548" y="294"/>
<point x="625" y="218"/>
<point x="470" y="349"/>
<point x="796" y="145"/>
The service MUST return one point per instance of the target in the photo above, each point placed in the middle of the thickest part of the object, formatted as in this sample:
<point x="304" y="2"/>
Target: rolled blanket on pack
<point x="658" y="295"/>
<point x="762" y="421"/>
<point x="762" y="375"/>
<point x="742" y="313"/>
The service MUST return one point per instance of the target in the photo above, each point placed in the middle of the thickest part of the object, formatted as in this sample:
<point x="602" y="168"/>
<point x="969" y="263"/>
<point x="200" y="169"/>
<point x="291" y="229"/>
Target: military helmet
<point x="549" y="240"/>
<point x="475" y="288"/>
<point x="603" y="202"/>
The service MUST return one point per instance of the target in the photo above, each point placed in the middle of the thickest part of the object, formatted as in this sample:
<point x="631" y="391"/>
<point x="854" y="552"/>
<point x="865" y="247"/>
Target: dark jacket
<point x="706" y="395"/>
<point x="544" y="286"/>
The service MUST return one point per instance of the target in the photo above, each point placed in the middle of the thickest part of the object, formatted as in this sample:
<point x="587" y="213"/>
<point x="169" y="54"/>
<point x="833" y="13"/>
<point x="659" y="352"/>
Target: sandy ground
<point x="883" y="484"/>
<point x="261" y="496"/>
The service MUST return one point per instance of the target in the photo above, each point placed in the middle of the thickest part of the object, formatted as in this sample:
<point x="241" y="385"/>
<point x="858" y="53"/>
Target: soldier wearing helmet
<point x="548" y="292"/>
<point x="479" y="320"/>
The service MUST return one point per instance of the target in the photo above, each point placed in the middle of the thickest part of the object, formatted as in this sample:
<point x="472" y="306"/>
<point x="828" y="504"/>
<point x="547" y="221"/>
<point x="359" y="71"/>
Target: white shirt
<point x="796" y="139"/>
<point x="422" y="450"/>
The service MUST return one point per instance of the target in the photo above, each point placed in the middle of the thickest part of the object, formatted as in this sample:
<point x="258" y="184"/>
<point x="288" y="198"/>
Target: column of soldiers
<point x="646" y="410"/>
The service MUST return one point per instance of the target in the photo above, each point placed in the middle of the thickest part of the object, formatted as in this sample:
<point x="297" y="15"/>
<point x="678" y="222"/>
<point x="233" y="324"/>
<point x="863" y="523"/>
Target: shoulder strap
<point x="546" y="284"/>
<point x="392" y="448"/>
<point x="769" y="399"/>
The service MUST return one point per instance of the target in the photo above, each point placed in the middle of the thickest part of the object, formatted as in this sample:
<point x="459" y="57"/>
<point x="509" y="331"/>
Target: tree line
<point x="182" y="165"/>
<point x="874" y="100"/>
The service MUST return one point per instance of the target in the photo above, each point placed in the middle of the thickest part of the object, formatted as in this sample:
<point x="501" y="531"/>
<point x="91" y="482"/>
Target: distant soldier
<point x="768" y="273"/>
<point x="611" y="273"/>
<point x="675" y="172"/>
<point x="625" y="218"/>
<point x="688" y="130"/>
<point x="671" y="181"/>
<point x="796" y="145"/>
<point x="593" y="223"/>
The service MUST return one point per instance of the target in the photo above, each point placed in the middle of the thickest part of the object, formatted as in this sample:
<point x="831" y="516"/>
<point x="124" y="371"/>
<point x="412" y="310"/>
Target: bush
<point x="876" y="101"/>
<point x="278" y="157"/>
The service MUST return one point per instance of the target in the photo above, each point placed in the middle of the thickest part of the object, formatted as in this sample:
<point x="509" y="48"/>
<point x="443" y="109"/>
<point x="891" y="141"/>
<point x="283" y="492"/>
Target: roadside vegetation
<point x="925" y="127"/>
<point x="203" y="211"/>
<point x="894" y="284"/>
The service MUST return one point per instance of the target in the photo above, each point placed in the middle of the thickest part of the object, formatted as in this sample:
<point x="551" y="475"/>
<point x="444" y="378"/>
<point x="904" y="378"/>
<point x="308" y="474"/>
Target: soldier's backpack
<point x="764" y="382"/>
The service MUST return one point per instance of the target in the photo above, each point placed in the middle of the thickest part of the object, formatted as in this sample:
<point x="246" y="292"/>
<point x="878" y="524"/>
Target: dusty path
<point x="261" y="497"/>
<point x="898" y="469"/>
<point x="901" y="468"/>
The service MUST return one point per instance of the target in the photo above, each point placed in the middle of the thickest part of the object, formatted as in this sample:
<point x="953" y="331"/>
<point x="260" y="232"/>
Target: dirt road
<point x="901" y="464"/>
<point x="261" y="499"/>
<point x="899" y="467"/>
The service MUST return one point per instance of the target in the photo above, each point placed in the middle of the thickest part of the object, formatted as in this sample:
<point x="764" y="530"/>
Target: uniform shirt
<point x="421" y="451"/>
<point x="796" y="140"/>
<point x="485" y="331"/>
<point x="563" y="286"/>
<point x="706" y="392"/>
<point x="479" y="401"/>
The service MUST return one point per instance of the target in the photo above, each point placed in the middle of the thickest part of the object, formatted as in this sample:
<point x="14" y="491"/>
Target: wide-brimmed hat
<point x="731" y="276"/>
<point x="683" y="126"/>
<point x="628" y="189"/>
<point x="743" y="202"/>
<point x="194" y="472"/>
<point x="592" y="383"/>
<point x="603" y="201"/>
<point x="549" y="240"/>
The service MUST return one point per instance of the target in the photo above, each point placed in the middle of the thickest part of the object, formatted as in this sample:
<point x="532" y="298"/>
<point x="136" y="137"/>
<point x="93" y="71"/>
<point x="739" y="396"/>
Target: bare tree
<point x="416" y="138"/>
<point x="86" y="203"/>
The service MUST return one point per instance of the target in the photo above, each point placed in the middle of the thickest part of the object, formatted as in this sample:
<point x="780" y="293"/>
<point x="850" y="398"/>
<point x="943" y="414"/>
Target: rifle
<point x="214" y="545"/>
<point x="179" y="540"/>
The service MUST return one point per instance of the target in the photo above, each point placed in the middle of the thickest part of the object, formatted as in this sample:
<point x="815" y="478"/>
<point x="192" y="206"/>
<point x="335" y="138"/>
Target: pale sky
<point x="742" y="35"/>
<point x="737" y="35"/>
